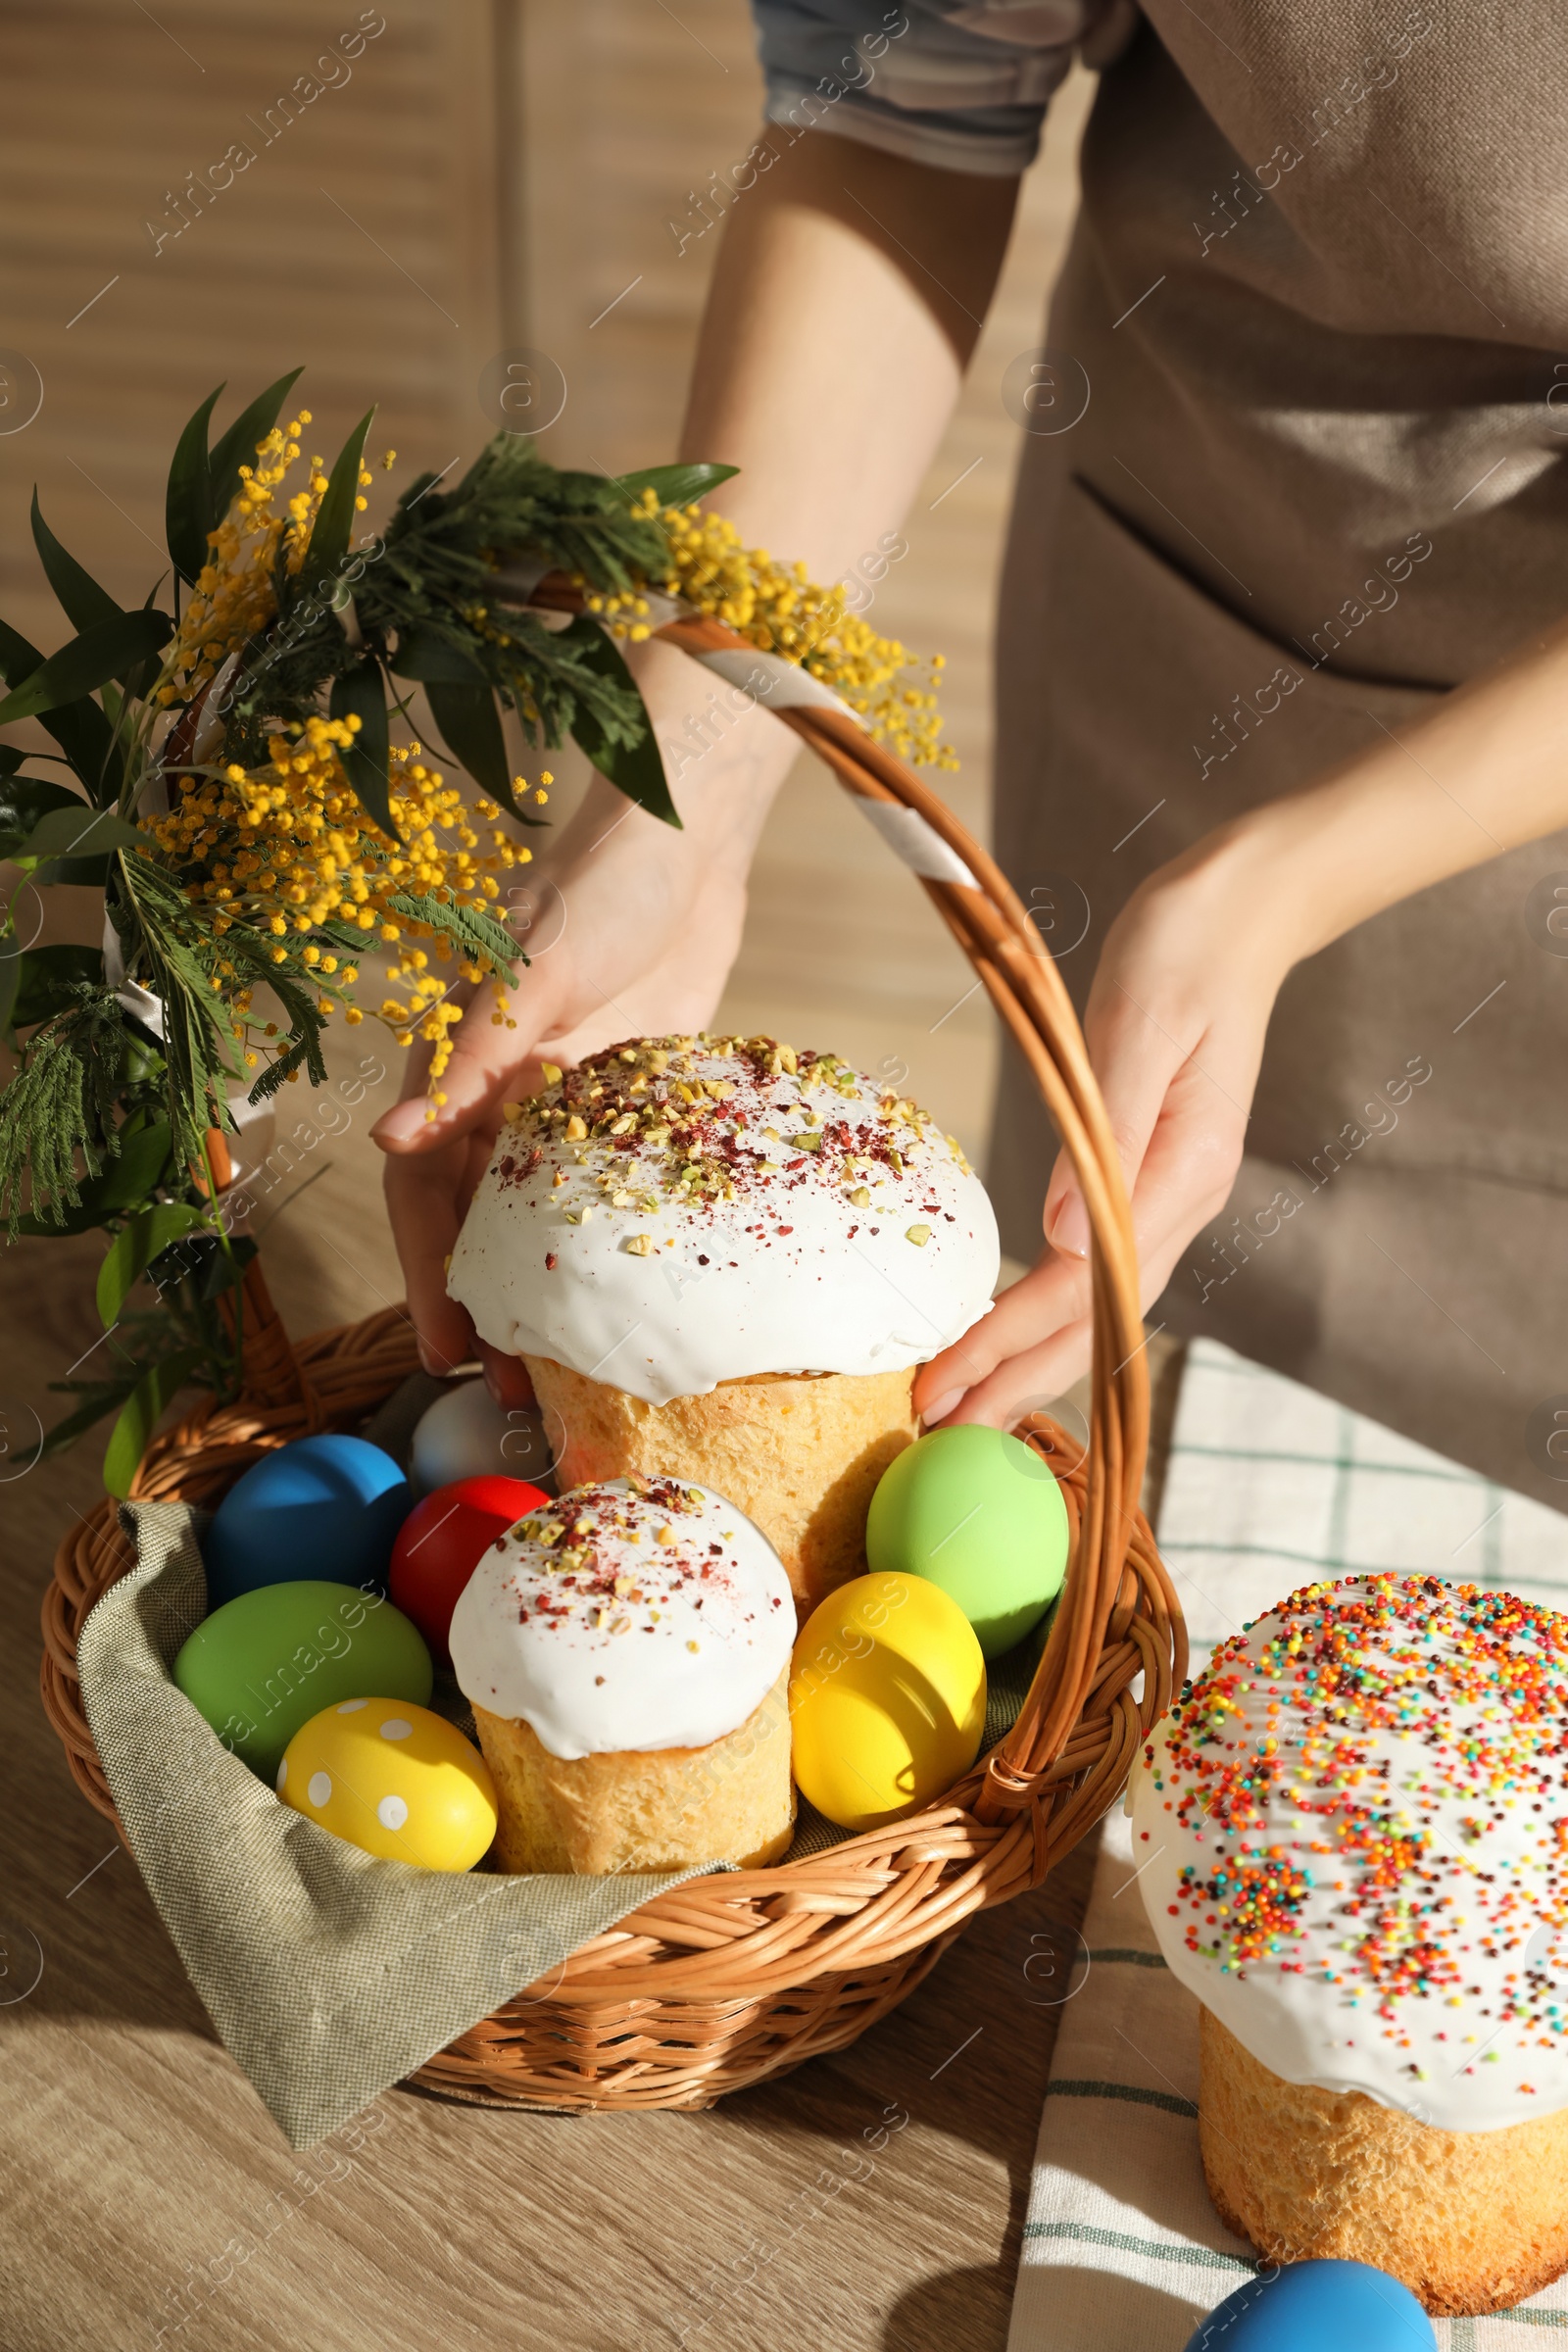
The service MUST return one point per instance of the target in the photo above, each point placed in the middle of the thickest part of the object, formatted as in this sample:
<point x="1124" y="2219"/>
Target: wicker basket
<point x="727" y="1980"/>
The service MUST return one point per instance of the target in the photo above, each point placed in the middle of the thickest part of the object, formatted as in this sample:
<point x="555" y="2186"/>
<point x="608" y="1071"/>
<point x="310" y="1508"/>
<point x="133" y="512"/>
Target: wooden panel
<point x="360" y="240"/>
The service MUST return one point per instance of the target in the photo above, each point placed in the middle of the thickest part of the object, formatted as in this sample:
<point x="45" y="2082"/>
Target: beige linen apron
<point x="1319" y="292"/>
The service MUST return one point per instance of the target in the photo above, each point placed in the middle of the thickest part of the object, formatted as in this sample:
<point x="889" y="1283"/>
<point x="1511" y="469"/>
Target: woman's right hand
<point x="846" y="300"/>
<point x="630" y="927"/>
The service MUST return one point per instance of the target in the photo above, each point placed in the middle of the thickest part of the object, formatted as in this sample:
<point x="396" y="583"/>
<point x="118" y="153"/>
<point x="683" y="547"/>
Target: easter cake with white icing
<point x="625" y="1651"/>
<point x="723" y="1259"/>
<point x="1353" y="1830"/>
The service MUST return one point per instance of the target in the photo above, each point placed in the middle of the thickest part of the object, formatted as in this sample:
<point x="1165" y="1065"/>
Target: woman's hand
<point x="1175" y="1025"/>
<point x="562" y="1010"/>
<point x="630" y="927"/>
<point x="1190" y="970"/>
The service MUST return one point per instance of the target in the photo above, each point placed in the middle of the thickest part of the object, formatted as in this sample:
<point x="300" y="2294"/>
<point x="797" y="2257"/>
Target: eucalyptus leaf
<point x="635" y="768"/>
<point x="434" y="660"/>
<point x="81" y="873"/>
<point x="471" y="728"/>
<point x="238" y="446"/>
<point x="140" y="681"/>
<point x="44" y="978"/>
<point x="361" y="692"/>
<point x="146" y="1406"/>
<point x="24" y="799"/>
<point x="104" y="1396"/>
<point x="146" y="1236"/>
<point x="334" y="517"/>
<point x="100" y="652"/>
<point x="675" y="485"/>
<point x="187" y="500"/>
<point x="87" y="739"/>
<point x="81" y="832"/>
<point x="141" y="1163"/>
<point x="225" y="1268"/>
<point x="81" y="600"/>
<point x="81" y="730"/>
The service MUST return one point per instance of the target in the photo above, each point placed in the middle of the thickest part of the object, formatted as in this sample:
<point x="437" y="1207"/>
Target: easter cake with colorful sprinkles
<point x="1353" y="1830"/>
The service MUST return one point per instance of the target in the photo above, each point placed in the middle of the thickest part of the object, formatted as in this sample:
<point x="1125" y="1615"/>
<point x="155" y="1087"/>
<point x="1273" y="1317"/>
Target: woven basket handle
<point x="1103" y="1606"/>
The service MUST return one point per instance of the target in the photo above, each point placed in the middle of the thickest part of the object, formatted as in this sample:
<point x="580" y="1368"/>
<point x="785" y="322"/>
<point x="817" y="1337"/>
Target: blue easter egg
<point x="1310" y="2306"/>
<point x="325" y="1508"/>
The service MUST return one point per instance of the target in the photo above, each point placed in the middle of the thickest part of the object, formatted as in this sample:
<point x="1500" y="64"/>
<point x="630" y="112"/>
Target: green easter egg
<point x="263" y="1665"/>
<point x="980" y="1515"/>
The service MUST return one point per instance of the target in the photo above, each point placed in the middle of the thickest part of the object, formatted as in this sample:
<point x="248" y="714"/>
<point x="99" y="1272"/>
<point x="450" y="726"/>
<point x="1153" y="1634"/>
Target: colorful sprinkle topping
<point x="1381" y="1770"/>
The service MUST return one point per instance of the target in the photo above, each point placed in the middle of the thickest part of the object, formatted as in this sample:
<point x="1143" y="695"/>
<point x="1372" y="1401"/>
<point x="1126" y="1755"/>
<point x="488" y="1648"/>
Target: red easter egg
<point x="442" y="1542"/>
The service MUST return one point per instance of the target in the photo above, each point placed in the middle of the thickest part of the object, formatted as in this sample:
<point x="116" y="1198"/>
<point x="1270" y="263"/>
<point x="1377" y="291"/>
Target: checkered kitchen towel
<point x="1269" y="1486"/>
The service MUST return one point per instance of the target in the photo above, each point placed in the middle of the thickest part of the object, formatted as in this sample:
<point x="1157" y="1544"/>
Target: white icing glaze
<point x="776" y="1257"/>
<point x="604" y="1637"/>
<point x="1392" y="1755"/>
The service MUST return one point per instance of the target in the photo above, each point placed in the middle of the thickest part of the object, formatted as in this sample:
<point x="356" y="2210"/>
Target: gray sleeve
<point x="966" y="87"/>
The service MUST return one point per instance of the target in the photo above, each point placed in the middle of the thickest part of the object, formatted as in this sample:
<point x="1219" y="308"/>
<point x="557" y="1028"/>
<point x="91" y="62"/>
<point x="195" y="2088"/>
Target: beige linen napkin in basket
<point x="329" y="1974"/>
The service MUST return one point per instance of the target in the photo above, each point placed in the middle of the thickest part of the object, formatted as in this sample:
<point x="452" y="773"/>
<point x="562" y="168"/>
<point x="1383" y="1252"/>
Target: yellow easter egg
<point x="887" y="1699"/>
<point x="393" y="1778"/>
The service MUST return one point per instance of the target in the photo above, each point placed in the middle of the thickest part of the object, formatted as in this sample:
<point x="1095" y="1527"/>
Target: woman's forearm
<point x="847" y="297"/>
<point x="1485" y="772"/>
<point x="848" y="293"/>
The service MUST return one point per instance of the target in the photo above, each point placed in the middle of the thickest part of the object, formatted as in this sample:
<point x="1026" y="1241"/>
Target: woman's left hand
<point x="1175" y="1025"/>
<point x="1190" y="967"/>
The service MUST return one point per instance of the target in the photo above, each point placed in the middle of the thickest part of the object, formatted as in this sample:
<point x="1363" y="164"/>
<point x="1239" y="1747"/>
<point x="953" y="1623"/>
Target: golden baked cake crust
<point x="636" y="1809"/>
<point x="1471" y="2221"/>
<point x="800" y="1454"/>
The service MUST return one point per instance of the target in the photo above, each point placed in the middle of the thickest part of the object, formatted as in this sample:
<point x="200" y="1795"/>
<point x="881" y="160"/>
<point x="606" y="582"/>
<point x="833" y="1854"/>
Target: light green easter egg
<point x="263" y="1665"/>
<point x="980" y="1515"/>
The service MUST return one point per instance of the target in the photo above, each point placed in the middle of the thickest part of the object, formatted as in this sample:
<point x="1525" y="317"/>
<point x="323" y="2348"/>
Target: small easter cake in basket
<point x="625" y="1651"/>
<point x="1355" y="1825"/>
<point x="722" y="1261"/>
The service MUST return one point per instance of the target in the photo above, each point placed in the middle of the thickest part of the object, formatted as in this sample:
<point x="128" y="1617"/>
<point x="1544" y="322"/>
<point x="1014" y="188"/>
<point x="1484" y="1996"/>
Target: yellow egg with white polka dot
<point x="393" y="1778"/>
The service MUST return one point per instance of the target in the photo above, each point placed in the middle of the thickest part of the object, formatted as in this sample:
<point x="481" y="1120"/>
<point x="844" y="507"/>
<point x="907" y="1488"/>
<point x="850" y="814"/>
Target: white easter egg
<point x="466" y="1434"/>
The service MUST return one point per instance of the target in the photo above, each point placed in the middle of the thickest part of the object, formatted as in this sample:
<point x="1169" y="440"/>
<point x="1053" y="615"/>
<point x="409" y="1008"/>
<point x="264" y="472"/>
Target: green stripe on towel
<point x="1201" y="2258"/>
<point x="1136" y="2096"/>
<point x="1335" y="1462"/>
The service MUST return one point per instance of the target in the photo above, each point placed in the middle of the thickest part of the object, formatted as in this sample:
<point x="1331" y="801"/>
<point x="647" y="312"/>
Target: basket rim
<point x="937" y="1866"/>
